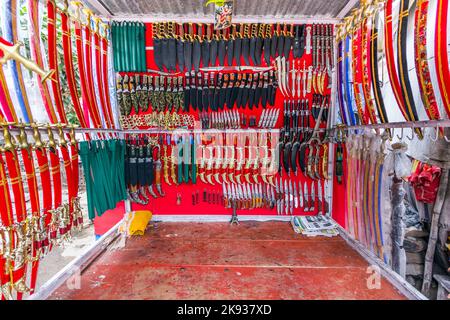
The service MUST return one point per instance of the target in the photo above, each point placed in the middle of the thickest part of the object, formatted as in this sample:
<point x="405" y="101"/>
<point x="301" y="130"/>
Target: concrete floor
<point x="255" y="260"/>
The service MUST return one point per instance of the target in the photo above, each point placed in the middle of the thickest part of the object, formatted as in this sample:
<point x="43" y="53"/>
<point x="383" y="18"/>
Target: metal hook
<point x="437" y="135"/>
<point x="445" y="138"/>
<point x="400" y="137"/>
<point x="412" y="135"/>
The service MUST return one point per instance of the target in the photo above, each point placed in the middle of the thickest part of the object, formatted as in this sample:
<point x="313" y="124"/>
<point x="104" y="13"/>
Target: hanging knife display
<point x="214" y="77"/>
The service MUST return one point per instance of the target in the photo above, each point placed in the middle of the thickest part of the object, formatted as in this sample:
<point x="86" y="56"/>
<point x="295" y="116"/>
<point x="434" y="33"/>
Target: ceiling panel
<point x="194" y="9"/>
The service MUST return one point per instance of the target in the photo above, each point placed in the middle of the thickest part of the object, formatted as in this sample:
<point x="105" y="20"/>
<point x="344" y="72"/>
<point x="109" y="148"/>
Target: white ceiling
<point x="192" y="10"/>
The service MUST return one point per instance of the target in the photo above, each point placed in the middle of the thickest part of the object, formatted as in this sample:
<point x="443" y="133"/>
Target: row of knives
<point x="215" y="91"/>
<point x="232" y="119"/>
<point x="284" y="196"/>
<point x="201" y="91"/>
<point x="191" y="46"/>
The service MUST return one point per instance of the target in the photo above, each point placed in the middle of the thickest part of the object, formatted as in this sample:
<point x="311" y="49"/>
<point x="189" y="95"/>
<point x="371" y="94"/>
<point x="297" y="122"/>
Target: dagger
<point x="313" y="198"/>
<point x="214" y="47"/>
<point x="267" y="43"/>
<point x="206" y="46"/>
<point x="251" y="99"/>
<point x="193" y="90"/>
<point x="246" y="90"/>
<point x="319" y="198"/>
<point x="230" y="47"/>
<point x="205" y="93"/>
<point x="211" y="92"/>
<point x="229" y="90"/>
<point x="259" y="44"/>
<point x="274" y="41"/>
<point x="238" y="45"/>
<point x="223" y="90"/>
<point x="222" y="49"/>
<point x="259" y="90"/>
<point x="253" y="42"/>
<point x="246" y="44"/>
<point x="199" y="92"/>
<point x="281" y="39"/>
<point x="188" y="47"/>
<point x="241" y="90"/>
<point x="288" y="41"/>
<point x="300" y="194"/>
<point x="180" y="47"/>
<point x="295" y="196"/>
<point x="197" y="52"/>
<point x="172" y="44"/>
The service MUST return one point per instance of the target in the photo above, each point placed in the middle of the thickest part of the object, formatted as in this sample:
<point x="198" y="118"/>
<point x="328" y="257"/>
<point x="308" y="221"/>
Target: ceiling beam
<point x="236" y="19"/>
<point x="346" y="9"/>
<point x="100" y="7"/>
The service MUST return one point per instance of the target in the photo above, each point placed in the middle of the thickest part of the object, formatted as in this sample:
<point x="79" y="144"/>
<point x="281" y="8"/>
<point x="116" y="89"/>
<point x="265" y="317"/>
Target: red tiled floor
<point x="254" y="260"/>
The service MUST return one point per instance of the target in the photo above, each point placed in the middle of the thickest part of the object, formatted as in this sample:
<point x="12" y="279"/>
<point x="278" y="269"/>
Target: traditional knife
<point x="320" y="203"/>
<point x="312" y="205"/>
<point x="300" y="194"/>
<point x="291" y="198"/>
<point x="199" y="91"/>
<point x="259" y="90"/>
<point x="241" y="90"/>
<point x="217" y="83"/>
<point x="223" y="90"/>
<point x="205" y="93"/>
<point x="180" y="40"/>
<point x="164" y="46"/>
<point x="246" y="90"/>
<point x="288" y="42"/>
<point x="251" y="95"/>
<point x="188" y="47"/>
<point x="274" y="41"/>
<point x="246" y="45"/>
<point x="211" y="91"/>
<point x="230" y="46"/>
<point x="281" y="39"/>
<point x="253" y="35"/>
<point x="259" y="44"/>
<point x="214" y="47"/>
<point x="157" y="49"/>
<point x="222" y="49"/>
<point x="238" y="45"/>
<point x="235" y="89"/>
<point x="197" y="49"/>
<point x="193" y="90"/>
<point x="267" y="43"/>
<point x="306" y="198"/>
<point x="229" y="90"/>
<point x="172" y="47"/>
<point x="206" y="47"/>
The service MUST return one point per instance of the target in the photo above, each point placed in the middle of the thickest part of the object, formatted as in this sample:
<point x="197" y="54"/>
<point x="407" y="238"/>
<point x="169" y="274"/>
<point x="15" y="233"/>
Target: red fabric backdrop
<point x="168" y="204"/>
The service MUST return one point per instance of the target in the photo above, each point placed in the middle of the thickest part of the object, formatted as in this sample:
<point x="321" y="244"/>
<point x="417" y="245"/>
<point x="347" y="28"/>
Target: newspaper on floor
<point x="313" y="226"/>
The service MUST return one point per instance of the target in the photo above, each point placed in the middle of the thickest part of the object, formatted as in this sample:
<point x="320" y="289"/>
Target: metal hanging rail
<point x="407" y="124"/>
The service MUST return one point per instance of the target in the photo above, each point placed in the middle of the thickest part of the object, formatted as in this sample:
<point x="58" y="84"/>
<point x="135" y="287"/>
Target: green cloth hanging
<point x="103" y="172"/>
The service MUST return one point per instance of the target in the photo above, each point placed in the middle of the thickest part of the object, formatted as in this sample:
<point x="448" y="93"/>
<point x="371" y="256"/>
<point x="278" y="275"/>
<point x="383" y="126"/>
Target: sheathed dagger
<point x="197" y="49"/>
<point x="259" y="44"/>
<point x="222" y="49"/>
<point x="206" y="47"/>
<point x="180" y="48"/>
<point x="288" y="41"/>
<point x="274" y="41"/>
<point x="213" y="48"/>
<point x="238" y="45"/>
<point x="246" y="90"/>
<point x="188" y="48"/>
<point x="253" y="42"/>
<point x="267" y="43"/>
<point x="246" y="45"/>
<point x="306" y="198"/>
<point x="230" y="46"/>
